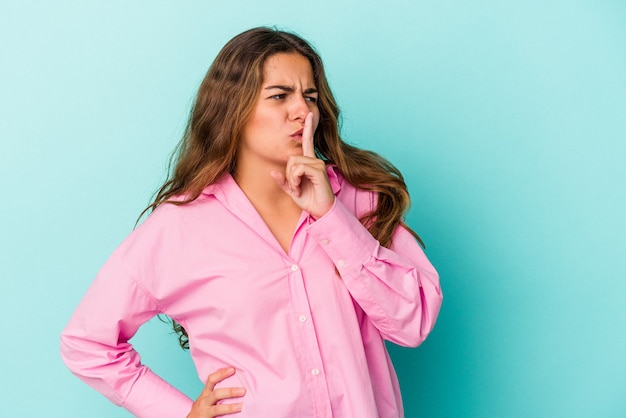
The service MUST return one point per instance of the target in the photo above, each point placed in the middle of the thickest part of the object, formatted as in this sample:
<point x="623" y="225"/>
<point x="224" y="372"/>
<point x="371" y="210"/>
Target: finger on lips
<point x="308" y="148"/>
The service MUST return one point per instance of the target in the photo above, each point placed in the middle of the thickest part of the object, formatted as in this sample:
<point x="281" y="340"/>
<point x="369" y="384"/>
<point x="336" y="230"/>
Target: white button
<point x="302" y="318"/>
<point x="324" y="241"/>
<point x="340" y="263"/>
<point x="294" y="267"/>
<point x="315" y="372"/>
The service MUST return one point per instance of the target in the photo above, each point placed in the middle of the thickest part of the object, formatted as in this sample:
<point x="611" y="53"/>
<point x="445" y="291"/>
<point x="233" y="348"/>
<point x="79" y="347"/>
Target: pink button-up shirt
<point x="305" y="341"/>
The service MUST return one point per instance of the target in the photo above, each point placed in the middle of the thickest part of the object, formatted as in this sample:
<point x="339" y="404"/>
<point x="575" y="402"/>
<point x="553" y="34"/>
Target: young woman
<point x="278" y="250"/>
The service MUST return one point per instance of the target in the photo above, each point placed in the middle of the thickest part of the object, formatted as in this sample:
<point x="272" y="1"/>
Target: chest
<point x="234" y="271"/>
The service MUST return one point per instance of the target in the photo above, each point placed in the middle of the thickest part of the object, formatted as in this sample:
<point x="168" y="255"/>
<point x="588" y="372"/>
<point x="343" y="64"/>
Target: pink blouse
<point x="305" y="341"/>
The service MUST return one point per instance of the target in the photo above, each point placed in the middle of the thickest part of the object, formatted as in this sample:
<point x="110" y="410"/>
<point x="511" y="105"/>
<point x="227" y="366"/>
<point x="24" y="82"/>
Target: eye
<point x="310" y="99"/>
<point x="278" y="96"/>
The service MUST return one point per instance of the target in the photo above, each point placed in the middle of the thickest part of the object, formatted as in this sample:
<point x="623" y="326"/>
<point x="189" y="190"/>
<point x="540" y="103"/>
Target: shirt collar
<point x="333" y="178"/>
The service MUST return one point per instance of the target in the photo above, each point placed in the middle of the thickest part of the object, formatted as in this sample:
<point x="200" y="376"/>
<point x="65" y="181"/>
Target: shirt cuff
<point x="152" y="397"/>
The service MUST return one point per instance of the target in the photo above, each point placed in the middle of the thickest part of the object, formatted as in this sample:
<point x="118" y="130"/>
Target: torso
<point x="280" y="217"/>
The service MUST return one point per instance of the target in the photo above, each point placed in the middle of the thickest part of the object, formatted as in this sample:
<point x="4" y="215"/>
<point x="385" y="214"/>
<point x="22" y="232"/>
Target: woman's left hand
<point x="305" y="178"/>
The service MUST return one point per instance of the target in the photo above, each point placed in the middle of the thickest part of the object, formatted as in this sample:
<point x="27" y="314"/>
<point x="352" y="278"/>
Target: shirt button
<point x="294" y="267"/>
<point x="315" y="372"/>
<point x="302" y="318"/>
<point x="341" y="263"/>
<point x="324" y="241"/>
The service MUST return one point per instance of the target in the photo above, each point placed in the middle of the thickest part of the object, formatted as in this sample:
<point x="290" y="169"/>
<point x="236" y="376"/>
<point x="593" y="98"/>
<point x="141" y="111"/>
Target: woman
<point x="278" y="250"/>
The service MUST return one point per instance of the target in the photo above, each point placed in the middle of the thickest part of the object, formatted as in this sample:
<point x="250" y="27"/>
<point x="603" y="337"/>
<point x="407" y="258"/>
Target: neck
<point x="259" y="186"/>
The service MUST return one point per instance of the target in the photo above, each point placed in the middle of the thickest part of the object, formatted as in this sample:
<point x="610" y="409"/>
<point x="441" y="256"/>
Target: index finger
<point x="216" y="377"/>
<point x="308" y="148"/>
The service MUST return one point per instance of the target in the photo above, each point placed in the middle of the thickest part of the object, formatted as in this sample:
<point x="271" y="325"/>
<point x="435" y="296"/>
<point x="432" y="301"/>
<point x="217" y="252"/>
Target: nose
<point x="299" y="108"/>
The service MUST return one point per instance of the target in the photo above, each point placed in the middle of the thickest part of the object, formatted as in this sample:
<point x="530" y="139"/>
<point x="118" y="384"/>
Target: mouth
<point x="298" y="133"/>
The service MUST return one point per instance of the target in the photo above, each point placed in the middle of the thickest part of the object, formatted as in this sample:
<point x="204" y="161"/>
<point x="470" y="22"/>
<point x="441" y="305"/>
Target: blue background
<point x="507" y="118"/>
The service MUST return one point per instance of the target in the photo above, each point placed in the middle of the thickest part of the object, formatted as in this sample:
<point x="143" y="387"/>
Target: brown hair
<point x="223" y="105"/>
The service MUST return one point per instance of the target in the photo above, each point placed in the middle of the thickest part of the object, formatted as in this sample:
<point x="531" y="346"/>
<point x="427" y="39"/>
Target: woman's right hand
<point x="206" y="405"/>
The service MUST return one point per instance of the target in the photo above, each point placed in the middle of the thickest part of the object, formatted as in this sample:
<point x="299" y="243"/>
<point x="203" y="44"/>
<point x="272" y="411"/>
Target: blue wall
<point x="507" y="118"/>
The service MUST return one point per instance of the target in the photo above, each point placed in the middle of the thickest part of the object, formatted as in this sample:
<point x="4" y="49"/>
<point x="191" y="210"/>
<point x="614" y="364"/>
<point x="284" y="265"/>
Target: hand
<point x="305" y="178"/>
<point x="206" y="405"/>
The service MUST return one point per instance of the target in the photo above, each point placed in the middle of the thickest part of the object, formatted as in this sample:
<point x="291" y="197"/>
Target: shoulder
<point x="176" y="219"/>
<point x="175" y="211"/>
<point x="183" y="208"/>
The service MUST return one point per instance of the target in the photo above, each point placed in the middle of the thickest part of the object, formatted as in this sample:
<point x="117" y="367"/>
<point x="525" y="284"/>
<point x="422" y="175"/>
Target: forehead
<point x="288" y="67"/>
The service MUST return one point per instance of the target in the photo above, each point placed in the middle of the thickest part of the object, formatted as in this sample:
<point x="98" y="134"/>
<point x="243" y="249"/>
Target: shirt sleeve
<point x="95" y="347"/>
<point x="397" y="288"/>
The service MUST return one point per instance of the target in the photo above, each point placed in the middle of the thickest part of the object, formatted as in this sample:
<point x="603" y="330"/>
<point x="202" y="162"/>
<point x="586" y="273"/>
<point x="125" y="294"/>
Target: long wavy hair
<point x="223" y="105"/>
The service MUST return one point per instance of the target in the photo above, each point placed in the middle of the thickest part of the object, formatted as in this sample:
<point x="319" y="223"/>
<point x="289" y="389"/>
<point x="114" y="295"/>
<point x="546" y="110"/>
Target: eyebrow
<point x="291" y="89"/>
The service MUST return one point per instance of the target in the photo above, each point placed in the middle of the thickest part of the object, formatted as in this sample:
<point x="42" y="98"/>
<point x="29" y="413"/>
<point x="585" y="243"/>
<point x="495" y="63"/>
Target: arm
<point x="397" y="288"/>
<point x="95" y="347"/>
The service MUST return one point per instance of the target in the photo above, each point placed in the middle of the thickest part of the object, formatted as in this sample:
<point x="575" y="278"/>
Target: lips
<point x="298" y="133"/>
